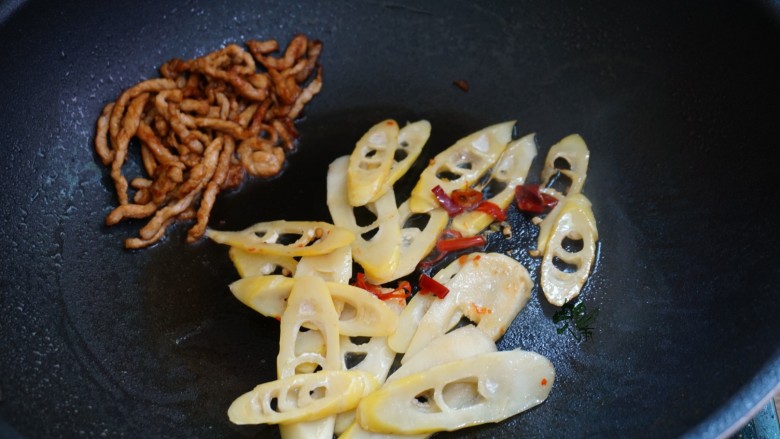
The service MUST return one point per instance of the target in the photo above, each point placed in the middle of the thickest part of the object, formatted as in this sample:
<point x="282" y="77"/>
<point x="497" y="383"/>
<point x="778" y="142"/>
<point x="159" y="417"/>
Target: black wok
<point x="678" y="101"/>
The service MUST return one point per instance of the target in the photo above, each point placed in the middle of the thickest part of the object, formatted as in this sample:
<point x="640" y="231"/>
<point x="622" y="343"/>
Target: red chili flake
<point x="462" y="259"/>
<point x="446" y="202"/>
<point x="481" y="310"/>
<point x="446" y="235"/>
<point x="403" y="291"/>
<point x="544" y="381"/>
<point x="530" y="200"/>
<point x="461" y="84"/>
<point x="455" y="244"/>
<point x="466" y="198"/>
<point x="361" y="282"/>
<point x="430" y="286"/>
<point x="492" y="209"/>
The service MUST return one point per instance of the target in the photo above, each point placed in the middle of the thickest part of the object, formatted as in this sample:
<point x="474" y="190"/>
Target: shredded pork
<point x="202" y="127"/>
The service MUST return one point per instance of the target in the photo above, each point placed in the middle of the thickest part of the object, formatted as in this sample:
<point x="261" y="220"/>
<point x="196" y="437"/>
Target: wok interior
<point x="676" y="101"/>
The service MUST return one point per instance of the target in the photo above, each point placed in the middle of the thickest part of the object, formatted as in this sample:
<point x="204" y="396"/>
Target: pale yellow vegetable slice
<point x="571" y="244"/>
<point x="417" y="308"/>
<point x="547" y="226"/>
<point x="377" y="254"/>
<point x="303" y="397"/>
<point x="322" y="428"/>
<point x="309" y="238"/>
<point x="355" y="432"/>
<point x="377" y="360"/>
<point x="264" y="294"/>
<point x="489" y="289"/>
<point x="253" y="264"/>
<point x="573" y="151"/>
<point x="372" y="355"/>
<point x="309" y="342"/>
<point x="360" y="313"/>
<point x="408" y="322"/>
<point x="415" y="311"/>
<point x="464" y="342"/>
<point x="335" y="266"/>
<point x="458" y="344"/>
<point x="510" y="171"/>
<point x="309" y="305"/>
<point x="411" y="140"/>
<point x="375" y="355"/>
<point x="502" y="384"/>
<point x="370" y="162"/>
<point x="417" y="243"/>
<point x="461" y="165"/>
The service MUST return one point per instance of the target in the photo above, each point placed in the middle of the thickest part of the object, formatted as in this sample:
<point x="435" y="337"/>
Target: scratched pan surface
<point x="677" y="100"/>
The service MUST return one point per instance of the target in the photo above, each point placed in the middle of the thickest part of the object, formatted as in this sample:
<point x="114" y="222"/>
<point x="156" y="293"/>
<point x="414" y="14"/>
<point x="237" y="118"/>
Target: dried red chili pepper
<point x="455" y="244"/>
<point x="466" y="198"/>
<point x="492" y="209"/>
<point x="530" y="199"/>
<point x="446" y="202"/>
<point x="361" y="282"/>
<point x="403" y="291"/>
<point x="430" y="286"/>
<point x="446" y="235"/>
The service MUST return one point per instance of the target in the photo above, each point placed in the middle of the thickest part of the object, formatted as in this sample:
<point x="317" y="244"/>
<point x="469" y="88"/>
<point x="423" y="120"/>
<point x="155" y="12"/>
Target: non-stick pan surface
<point x="679" y="104"/>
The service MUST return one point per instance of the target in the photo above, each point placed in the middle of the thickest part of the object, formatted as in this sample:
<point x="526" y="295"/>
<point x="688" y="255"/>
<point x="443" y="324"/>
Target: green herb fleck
<point x="576" y="319"/>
